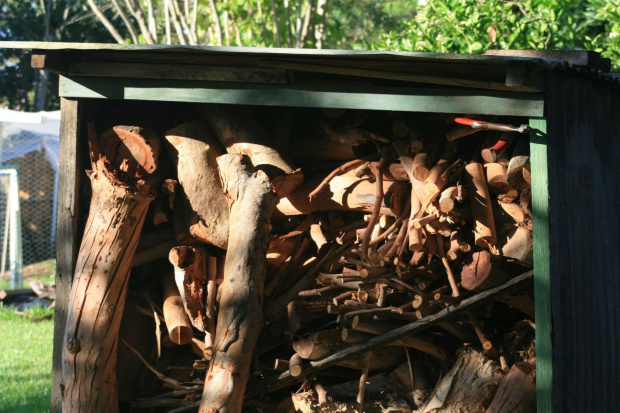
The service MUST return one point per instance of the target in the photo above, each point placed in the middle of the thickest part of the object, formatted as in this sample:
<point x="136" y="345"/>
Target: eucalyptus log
<point x="190" y="273"/>
<point x="240" y="133"/>
<point x="177" y="322"/>
<point x="252" y="200"/>
<point x="194" y="152"/>
<point x="344" y="193"/>
<point x="122" y="160"/>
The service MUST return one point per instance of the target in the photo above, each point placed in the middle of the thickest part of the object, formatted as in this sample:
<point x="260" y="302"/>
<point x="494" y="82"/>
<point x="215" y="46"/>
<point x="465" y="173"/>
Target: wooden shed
<point x="568" y="100"/>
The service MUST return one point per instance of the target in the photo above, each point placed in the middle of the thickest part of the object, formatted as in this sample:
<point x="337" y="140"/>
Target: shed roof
<point x="519" y="71"/>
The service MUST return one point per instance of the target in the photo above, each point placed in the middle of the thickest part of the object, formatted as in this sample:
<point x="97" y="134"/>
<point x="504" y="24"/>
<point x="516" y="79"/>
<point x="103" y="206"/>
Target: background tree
<point x="470" y="26"/>
<point x="267" y="23"/>
<point x="448" y="26"/>
<point x="21" y="88"/>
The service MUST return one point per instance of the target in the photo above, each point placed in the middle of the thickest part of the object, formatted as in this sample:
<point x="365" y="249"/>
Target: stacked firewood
<point x="399" y="256"/>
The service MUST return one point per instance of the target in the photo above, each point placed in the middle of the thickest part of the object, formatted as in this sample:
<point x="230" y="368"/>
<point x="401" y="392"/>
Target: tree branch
<point x="173" y="7"/>
<point x="216" y="19"/>
<point x="139" y="16"/>
<point x="125" y="19"/>
<point x="106" y="23"/>
<point x="274" y="6"/>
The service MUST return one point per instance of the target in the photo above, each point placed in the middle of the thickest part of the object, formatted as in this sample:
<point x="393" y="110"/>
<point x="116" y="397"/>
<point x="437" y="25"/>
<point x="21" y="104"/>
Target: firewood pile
<point x="306" y="260"/>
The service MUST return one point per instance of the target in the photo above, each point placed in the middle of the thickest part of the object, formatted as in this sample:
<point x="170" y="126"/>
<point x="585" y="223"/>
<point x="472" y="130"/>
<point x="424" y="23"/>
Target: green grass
<point x="25" y="360"/>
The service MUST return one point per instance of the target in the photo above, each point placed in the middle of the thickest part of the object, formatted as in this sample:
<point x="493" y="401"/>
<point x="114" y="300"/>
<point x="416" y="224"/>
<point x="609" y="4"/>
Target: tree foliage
<point x="22" y="88"/>
<point x="470" y="26"/>
<point x="267" y="23"/>
<point x="449" y="26"/>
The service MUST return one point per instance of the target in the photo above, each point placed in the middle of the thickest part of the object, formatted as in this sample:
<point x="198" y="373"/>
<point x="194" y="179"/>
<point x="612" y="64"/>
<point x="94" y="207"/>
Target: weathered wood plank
<point x="542" y="285"/>
<point x="177" y="71"/>
<point x="334" y="96"/>
<point x="67" y="239"/>
<point x="583" y="175"/>
<point x="430" y="77"/>
<point x="50" y="61"/>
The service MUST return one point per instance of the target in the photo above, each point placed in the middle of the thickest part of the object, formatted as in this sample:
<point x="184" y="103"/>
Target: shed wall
<point x="584" y="195"/>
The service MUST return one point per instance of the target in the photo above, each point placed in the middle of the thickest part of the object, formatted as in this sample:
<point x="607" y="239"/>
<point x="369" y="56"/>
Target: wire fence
<point x="37" y="188"/>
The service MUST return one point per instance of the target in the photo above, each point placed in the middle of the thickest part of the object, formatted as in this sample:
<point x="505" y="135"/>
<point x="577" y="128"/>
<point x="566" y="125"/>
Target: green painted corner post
<point x="542" y="284"/>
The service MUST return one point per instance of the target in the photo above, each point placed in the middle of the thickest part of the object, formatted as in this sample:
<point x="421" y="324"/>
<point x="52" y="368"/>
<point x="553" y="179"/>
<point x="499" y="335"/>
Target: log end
<point x="181" y="335"/>
<point x="127" y="144"/>
<point x="477" y="271"/>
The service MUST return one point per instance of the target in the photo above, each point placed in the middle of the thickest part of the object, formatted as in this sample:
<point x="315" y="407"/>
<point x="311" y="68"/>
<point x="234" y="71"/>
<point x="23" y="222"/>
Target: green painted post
<point x="542" y="285"/>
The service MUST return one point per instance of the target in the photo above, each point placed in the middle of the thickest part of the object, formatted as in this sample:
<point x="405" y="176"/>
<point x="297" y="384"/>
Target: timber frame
<point x="511" y="85"/>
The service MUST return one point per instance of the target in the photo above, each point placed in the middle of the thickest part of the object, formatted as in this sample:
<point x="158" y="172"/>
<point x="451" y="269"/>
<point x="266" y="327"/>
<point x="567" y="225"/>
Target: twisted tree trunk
<point x="120" y="199"/>
<point x="252" y="199"/>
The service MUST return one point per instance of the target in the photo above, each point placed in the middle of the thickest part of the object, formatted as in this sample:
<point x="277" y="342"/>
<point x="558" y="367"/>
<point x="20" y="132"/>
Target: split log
<point x="518" y="161"/>
<point x="239" y="132"/>
<point x="467" y="388"/>
<point x="194" y="152"/>
<point x="484" y="226"/>
<point x="119" y="204"/>
<point x="252" y="200"/>
<point x="344" y="193"/>
<point x="178" y="324"/>
<point x="498" y="183"/>
<point x="190" y="273"/>
<point x="516" y="392"/>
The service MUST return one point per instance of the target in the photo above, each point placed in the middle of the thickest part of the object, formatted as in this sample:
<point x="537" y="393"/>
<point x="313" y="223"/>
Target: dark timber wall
<point x="584" y="199"/>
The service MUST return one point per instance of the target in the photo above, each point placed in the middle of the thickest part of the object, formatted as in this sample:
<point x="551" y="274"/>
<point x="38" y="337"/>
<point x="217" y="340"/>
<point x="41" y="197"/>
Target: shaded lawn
<point x="25" y="361"/>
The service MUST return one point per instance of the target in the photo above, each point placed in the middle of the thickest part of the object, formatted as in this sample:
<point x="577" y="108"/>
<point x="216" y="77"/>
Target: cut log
<point x="194" y="152"/>
<point x="177" y="322"/>
<point x="484" y="226"/>
<point x="284" y="380"/>
<point x="252" y="200"/>
<point x="119" y="203"/>
<point x="295" y="365"/>
<point x="239" y="132"/>
<point x="190" y="273"/>
<point x="516" y="392"/>
<point x="417" y="342"/>
<point x="467" y="388"/>
<point x="479" y="274"/>
<point x="344" y="193"/>
<point x="498" y="183"/>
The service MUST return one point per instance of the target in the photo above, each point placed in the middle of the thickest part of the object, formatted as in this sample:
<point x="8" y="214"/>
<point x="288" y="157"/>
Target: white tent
<point x="20" y="134"/>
